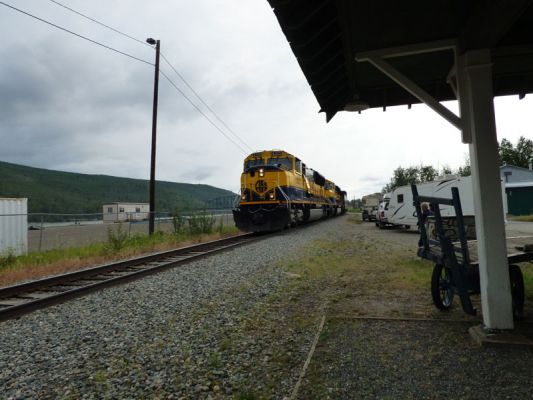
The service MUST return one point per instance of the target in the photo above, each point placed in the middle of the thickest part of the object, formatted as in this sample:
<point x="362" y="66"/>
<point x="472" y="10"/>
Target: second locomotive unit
<point x="278" y="190"/>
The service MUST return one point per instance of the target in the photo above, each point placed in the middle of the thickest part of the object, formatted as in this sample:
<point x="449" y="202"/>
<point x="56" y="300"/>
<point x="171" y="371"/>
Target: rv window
<point x="109" y="210"/>
<point x="121" y="209"/>
<point x="400" y="198"/>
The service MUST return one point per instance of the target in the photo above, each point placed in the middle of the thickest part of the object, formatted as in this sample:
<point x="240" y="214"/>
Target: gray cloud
<point x="69" y="104"/>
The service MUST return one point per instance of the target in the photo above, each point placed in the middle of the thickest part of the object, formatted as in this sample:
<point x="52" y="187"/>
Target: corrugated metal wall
<point x="13" y="226"/>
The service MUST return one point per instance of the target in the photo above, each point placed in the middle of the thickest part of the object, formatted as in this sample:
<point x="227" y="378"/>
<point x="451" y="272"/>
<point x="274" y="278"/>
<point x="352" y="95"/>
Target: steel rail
<point x="26" y="297"/>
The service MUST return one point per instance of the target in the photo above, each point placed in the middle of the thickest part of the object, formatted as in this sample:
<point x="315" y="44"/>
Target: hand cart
<point x="456" y="269"/>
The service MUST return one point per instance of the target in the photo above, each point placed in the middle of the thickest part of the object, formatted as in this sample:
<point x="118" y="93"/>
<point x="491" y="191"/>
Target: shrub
<point x="201" y="222"/>
<point x="178" y="223"/>
<point x="116" y="240"/>
<point x="220" y="227"/>
<point x="7" y="258"/>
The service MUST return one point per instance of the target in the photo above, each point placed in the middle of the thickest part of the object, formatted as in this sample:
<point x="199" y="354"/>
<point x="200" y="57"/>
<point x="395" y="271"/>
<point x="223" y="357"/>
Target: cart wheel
<point x="517" y="290"/>
<point x="442" y="289"/>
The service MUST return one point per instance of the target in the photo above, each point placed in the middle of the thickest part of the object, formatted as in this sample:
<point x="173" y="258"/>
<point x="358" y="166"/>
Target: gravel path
<point x="159" y="337"/>
<point x="367" y="359"/>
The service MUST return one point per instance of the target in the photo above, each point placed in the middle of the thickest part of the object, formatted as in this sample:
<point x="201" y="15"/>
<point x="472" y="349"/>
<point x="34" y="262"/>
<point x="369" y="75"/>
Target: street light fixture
<point x="154" y="130"/>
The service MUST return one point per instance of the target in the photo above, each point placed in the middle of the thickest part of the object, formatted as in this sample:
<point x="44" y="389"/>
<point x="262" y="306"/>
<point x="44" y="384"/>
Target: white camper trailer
<point x="401" y="211"/>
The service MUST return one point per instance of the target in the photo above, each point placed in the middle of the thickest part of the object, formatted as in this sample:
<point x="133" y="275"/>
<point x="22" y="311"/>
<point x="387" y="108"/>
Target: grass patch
<point x="355" y="218"/>
<point x="361" y="276"/>
<point x="36" y="265"/>
<point x="527" y="272"/>
<point x="524" y="218"/>
<point x="347" y="259"/>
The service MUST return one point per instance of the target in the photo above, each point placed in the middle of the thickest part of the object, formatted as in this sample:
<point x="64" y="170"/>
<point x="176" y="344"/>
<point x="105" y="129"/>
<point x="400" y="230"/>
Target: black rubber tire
<point x="442" y="290"/>
<point x="517" y="290"/>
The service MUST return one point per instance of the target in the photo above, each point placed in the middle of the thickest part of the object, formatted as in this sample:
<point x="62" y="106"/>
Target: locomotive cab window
<point x="252" y="163"/>
<point x="298" y="166"/>
<point x="310" y="174"/>
<point x="283" y="163"/>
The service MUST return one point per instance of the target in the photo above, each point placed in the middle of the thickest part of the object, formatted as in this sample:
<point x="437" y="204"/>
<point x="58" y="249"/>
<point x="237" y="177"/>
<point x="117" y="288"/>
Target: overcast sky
<point x="70" y="105"/>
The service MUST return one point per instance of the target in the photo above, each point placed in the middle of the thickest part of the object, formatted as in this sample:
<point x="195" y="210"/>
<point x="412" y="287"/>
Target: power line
<point x="201" y="112"/>
<point x="143" y="61"/>
<point x="76" y="34"/>
<point x="205" y="104"/>
<point x="166" y="60"/>
<point x="99" y="23"/>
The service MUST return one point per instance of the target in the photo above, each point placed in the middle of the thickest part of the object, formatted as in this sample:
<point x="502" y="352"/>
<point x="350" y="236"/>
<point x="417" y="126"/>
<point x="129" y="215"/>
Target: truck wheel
<point x="442" y="290"/>
<point x="517" y="290"/>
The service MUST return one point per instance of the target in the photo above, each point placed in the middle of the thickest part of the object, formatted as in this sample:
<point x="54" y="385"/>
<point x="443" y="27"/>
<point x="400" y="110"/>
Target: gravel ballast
<point x="155" y="337"/>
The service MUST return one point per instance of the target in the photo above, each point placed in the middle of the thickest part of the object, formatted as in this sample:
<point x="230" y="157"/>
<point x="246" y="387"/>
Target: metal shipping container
<point x="13" y="226"/>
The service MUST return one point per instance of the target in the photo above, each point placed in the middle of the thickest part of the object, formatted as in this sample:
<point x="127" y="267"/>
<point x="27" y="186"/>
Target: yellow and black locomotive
<point x="278" y="190"/>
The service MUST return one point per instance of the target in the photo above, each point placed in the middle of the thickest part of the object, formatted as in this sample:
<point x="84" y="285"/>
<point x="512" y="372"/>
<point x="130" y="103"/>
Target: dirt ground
<point x="53" y="237"/>
<point x="385" y="340"/>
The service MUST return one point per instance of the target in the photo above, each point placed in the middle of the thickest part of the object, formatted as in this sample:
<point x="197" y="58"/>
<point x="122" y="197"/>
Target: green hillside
<point x="65" y="192"/>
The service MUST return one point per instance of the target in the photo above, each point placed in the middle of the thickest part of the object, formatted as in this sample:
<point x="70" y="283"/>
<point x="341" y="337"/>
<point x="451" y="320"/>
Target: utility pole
<point x="154" y="130"/>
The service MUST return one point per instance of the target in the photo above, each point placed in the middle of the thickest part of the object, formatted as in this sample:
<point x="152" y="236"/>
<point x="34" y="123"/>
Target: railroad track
<point x="24" y="298"/>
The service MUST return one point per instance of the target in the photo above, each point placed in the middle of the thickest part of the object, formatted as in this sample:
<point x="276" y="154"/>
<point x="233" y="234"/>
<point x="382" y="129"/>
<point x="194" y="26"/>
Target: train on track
<point x="278" y="190"/>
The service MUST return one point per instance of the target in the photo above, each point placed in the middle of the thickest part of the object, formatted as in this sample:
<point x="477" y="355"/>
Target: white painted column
<point x="477" y="94"/>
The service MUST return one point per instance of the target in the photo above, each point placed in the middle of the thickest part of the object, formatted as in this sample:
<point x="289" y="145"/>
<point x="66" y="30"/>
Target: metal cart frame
<point x="454" y="272"/>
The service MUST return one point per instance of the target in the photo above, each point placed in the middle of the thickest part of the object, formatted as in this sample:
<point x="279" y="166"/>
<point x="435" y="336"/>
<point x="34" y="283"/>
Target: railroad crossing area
<point x="338" y="310"/>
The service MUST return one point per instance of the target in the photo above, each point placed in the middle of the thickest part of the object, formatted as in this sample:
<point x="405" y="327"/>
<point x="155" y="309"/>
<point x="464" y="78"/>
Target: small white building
<point x="119" y="212"/>
<point x="13" y="226"/>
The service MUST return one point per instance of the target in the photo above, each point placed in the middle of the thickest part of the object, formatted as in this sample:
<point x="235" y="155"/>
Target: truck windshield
<point x="284" y="163"/>
<point x="252" y="163"/>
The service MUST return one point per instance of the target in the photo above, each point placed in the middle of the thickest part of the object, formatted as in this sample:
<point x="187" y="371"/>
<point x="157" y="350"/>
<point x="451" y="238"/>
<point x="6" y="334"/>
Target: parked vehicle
<point x="401" y="211"/>
<point x="382" y="213"/>
<point x="370" y="206"/>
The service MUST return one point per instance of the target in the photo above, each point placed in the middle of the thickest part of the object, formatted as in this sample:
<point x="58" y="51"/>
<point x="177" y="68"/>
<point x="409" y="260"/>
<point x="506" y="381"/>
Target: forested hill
<point x="66" y="192"/>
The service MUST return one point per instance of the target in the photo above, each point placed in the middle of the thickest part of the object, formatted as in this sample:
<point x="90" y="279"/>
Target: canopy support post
<point x="473" y="74"/>
<point x="477" y="109"/>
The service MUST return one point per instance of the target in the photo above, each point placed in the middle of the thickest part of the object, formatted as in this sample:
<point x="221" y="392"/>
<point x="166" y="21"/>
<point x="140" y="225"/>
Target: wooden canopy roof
<point x="326" y="35"/>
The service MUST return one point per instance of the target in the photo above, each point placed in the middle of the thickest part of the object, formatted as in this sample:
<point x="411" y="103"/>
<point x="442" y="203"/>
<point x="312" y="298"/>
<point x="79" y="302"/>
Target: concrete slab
<point x="496" y="338"/>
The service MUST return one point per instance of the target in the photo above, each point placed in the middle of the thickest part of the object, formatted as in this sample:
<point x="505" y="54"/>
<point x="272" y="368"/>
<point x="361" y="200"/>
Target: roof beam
<point x="412" y="88"/>
<point x="489" y="23"/>
<point x="408" y="50"/>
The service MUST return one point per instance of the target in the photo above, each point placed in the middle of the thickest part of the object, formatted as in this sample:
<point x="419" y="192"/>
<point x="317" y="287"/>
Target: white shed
<point x="13" y="226"/>
<point x="119" y="212"/>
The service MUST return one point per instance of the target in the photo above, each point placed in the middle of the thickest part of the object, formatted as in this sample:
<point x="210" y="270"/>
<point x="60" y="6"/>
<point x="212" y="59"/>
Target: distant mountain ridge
<point x="50" y="191"/>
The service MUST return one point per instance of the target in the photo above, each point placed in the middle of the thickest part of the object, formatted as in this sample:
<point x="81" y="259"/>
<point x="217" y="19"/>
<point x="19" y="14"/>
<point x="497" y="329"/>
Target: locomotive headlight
<point x="261" y="172"/>
<point x="243" y="197"/>
<point x="271" y="195"/>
